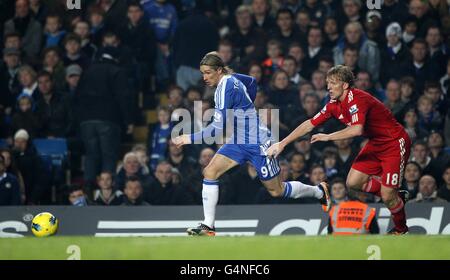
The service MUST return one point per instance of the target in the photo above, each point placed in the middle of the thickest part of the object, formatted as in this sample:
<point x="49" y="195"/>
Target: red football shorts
<point x="387" y="160"/>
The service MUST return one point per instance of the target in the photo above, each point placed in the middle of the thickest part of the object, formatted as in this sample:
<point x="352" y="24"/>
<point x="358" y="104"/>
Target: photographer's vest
<point x="351" y="217"/>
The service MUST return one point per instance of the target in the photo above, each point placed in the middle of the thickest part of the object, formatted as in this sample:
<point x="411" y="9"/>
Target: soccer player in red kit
<point x="379" y="166"/>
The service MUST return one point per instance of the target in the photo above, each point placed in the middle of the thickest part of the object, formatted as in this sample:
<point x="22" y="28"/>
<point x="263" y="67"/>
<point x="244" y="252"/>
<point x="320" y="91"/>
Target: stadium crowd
<point x="86" y="75"/>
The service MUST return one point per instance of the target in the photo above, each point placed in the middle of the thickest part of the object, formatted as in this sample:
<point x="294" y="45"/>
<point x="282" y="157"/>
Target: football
<point x="44" y="224"/>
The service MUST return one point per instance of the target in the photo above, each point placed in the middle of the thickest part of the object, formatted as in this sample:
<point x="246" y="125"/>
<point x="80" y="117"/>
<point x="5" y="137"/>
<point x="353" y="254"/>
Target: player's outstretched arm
<point x="301" y="130"/>
<point x="181" y="140"/>
<point x="348" y="132"/>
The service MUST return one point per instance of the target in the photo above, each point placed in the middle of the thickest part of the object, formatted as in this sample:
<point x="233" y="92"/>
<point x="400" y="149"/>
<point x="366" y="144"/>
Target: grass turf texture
<point x="228" y="248"/>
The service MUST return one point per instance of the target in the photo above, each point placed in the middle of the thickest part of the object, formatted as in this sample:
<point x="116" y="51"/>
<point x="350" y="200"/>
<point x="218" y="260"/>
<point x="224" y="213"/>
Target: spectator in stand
<point x="419" y="66"/>
<point x="303" y="145"/>
<point x="428" y="191"/>
<point x="11" y="167"/>
<point x="274" y="60"/>
<point x="410" y="30"/>
<point x="132" y="168"/>
<point x="331" y="33"/>
<point x="28" y="28"/>
<point x="176" y="101"/>
<point x="158" y="136"/>
<point x="437" y="50"/>
<point x="429" y="118"/>
<point x="338" y="190"/>
<point x="291" y="68"/>
<point x="444" y="190"/>
<point x="77" y="196"/>
<point x="106" y="194"/>
<point x="103" y="108"/>
<point x="317" y="174"/>
<point x="393" y="100"/>
<point x="241" y="186"/>
<point x="52" y="64"/>
<point x="9" y="81"/>
<point x="133" y="193"/>
<point x="35" y="177"/>
<point x="318" y="80"/>
<point x="261" y="15"/>
<point x="280" y="93"/>
<point x="369" y="54"/>
<point x="137" y="33"/>
<point x="439" y="158"/>
<point x="424" y="19"/>
<point x="313" y="51"/>
<point x="53" y="109"/>
<point x="179" y="159"/>
<point x="410" y="182"/>
<point x="256" y="71"/>
<point x="393" y="54"/>
<point x="82" y="29"/>
<point x="364" y="82"/>
<point x="9" y="186"/>
<point x="411" y="125"/>
<point x="445" y="80"/>
<point x="26" y="117"/>
<point x="72" y="78"/>
<point x="351" y="56"/>
<point x="297" y="166"/>
<point x="53" y="32"/>
<point x="73" y="54"/>
<point x="28" y="81"/>
<point x="96" y="18"/>
<point x="346" y="153"/>
<point x="163" y="21"/>
<point x="407" y="92"/>
<point x="330" y="159"/>
<point x="248" y="40"/>
<point x="374" y="29"/>
<point x="164" y="192"/>
<point x="420" y="154"/>
<point x="141" y="152"/>
<point x="440" y="102"/>
<point x="394" y="10"/>
<point x="352" y="12"/>
<point x="39" y="10"/>
<point x="285" y="32"/>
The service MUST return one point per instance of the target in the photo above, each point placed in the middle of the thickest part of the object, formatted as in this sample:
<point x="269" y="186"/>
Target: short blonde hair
<point x="342" y="73"/>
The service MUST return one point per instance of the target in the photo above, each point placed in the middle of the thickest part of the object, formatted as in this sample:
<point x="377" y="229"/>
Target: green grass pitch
<point x="293" y="247"/>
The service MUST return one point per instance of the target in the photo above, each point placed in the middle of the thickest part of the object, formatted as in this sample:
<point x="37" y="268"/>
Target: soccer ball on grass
<point x="44" y="224"/>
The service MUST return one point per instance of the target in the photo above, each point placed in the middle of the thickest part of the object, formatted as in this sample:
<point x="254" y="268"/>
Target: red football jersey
<point x="359" y="107"/>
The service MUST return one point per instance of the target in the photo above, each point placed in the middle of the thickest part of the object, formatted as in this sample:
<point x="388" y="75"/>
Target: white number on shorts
<point x="264" y="171"/>
<point x="393" y="181"/>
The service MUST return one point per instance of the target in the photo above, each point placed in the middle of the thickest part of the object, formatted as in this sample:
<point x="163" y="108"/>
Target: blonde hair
<point x="213" y="60"/>
<point x="342" y="73"/>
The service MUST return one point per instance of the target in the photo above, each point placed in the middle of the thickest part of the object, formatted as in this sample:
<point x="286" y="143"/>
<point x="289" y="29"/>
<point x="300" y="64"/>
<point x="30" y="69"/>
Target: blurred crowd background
<point x="88" y="96"/>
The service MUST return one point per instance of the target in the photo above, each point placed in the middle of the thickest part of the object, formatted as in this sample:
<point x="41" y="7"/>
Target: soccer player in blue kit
<point x="236" y="92"/>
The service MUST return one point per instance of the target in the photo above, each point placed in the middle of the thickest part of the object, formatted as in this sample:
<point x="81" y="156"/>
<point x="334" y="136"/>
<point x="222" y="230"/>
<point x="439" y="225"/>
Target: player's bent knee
<point x="352" y="184"/>
<point x="275" y="192"/>
<point x="210" y="173"/>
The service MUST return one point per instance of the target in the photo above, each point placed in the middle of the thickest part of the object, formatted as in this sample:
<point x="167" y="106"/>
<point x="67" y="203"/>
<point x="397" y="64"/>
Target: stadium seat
<point x="151" y="116"/>
<point x="140" y="134"/>
<point x="54" y="148"/>
<point x="3" y="143"/>
<point x="54" y="154"/>
<point x="447" y="150"/>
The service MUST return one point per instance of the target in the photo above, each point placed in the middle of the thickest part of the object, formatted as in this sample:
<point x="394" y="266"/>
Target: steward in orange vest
<point x="352" y="217"/>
